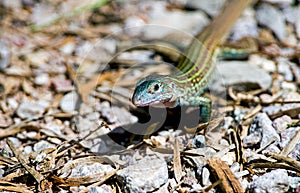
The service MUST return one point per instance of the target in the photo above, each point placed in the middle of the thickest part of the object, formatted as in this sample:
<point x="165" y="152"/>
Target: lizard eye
<point x="156" y="87"/>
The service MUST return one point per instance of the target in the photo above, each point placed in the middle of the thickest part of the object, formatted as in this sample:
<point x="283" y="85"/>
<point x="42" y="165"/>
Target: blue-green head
<point x="153" y="90"/>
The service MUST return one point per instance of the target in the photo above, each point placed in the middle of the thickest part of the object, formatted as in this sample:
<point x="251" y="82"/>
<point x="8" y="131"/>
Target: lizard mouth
<point x="141" y="103"/>
<point x="168" y="102"/>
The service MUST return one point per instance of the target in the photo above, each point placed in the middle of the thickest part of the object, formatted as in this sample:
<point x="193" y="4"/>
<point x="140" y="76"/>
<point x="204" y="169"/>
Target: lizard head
<point x="154" y="90"/>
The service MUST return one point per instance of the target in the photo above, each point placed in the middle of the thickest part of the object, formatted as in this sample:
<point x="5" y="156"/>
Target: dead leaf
<point x="177" y="162"/>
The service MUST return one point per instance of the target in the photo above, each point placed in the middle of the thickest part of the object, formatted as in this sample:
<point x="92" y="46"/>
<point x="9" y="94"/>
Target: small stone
<point x="54" y="126"/>
<point x="139" y="55"/>
<point x="39" y="58"/>
<point x="241" y="75"/>
<point x="198" y="141"/>
<point x="40" y="157"/>
<point x="288" y="2"/>
<point x="291" y="14"/>
<point x="118" y="115"/>
<point x="68" y="48"/>
<point x="205" y="177"/>
<point x="90" y="169"/>
<point x="287" y="135"/>
<point x="281" y="123"/>
<point x="276" y="181"/>
<point x="145" y="175"/>
<point x="268" y="131"/>
<point x="273" y="110"/>
<point x="101" y="189"/>
<point x="212" y="7"/>
<point x="31" y="134"/>
<point x="133" y="25"/>
<point x="163" y="22"/>
<point x="15" y="141"/>
<point x="235" y="167"/>
<point x="296" y="71"/>
<point x="266" y="98"/>
<point x="284" y="68"/>
<point x="287" y="52"/>
<point x="86" y="109"/>
<point x="41" y="145"/>
<point x="262" y="124"/>
<point x="4" y="55"/>
<point x="83" y="124"/>
<point x="2" y="172"/>
<point x="227" y="122"/>
<point x="69" y="101"/>
<point x="12" y="103"/>
<point x="239" y="114"/>
<point x="251" y="139"/>
<point x="62" y="85"/>
<point x="273" y="18"/>
<point x="289" y="86"/>
<point x="42" y="79"/>
<point x="94" y="116"/>
<point x="27" y="150"/>
<point x="266" y="64"/>
<point x="294" y="182"/>
<point x="295" y="152"/>
<point x="272" y="148"/>
<point x="292" y="41"/>
<point x="29" y="109"/>
<point x="245" y="26"/>
<point x="229" y="158"/>
<point x="224" y="142"/>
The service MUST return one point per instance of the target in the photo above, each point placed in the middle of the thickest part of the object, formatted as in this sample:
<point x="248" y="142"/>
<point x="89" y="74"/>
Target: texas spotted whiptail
<point x="195" y="68"/>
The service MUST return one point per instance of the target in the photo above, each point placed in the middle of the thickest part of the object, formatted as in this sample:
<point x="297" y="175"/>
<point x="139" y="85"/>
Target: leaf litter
<point x="67" y="123"/>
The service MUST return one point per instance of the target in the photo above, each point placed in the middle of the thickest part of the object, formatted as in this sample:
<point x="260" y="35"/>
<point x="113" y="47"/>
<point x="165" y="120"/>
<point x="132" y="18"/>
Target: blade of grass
<point x="72" y="13"/>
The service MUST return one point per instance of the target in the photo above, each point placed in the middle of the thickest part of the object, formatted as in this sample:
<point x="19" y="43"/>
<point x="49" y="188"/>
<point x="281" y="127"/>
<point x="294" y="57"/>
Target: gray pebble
<point x="68" y="102"/>
<point x="29" y="109"/>
<point x="42" y="79"/>
<point x="212" y="7"/>
<point x="101" y="189"/>
<point x="244" y="27"/>
<point x="280" y="1"/>
<point x="262" y="124"/>
<point x="281" y="123"/>
<point x="275" y="181"/>
<point x="4" y="55"/>
<point x="41" y="145"/>
<point x="284" y="68"/>
<point x="287" y="135"/>
<point x="268" y="131"/>
<point x="163" y="22"/>
<point x="239" y="74"/>
<point x="273" y="18"/>
<point x="145" y="175"/>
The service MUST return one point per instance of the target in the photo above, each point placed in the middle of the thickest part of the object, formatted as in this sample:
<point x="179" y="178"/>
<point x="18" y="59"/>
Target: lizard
<point x="186" y="85"/>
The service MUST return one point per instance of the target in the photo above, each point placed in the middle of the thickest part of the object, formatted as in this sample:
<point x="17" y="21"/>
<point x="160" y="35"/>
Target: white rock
<point x="42" y="79"/>
<point x="68" y="102"/>
<point x="164" y="22"/>
<point x="273" y="18"/>
<point x="30" y="109"/>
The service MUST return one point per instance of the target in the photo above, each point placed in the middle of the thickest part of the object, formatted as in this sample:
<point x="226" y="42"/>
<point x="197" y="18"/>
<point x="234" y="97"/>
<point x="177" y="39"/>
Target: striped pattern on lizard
<point x="185" y="86"/>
